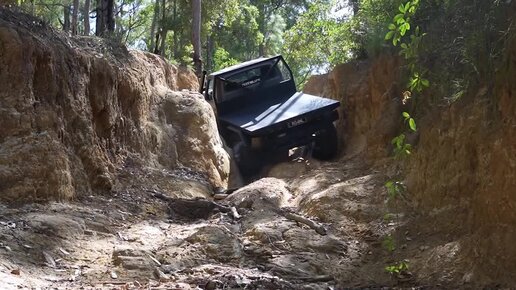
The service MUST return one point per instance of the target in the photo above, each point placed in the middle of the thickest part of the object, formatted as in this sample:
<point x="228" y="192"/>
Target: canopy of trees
<point x="313" y="35"/>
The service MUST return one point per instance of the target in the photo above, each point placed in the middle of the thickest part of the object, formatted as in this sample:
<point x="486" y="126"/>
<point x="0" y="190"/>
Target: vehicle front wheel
<point x="246" y="159"/>
<point x="326" y="143"/>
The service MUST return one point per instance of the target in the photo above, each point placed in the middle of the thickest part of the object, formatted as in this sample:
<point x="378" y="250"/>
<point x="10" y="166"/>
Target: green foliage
<point x="463" y="48"/>
<point x="222" y="59"/>
<point x="185" y="58"/>
<point x="389" y="243"/>
<point x="458" y="88"/>
<point x="317" y="41"/>
<point x="397" y="268"/>
<point x="410" y="121"/>
<point x="250" y="29"/>
<point x="401" y="22"/>
<point x="369" y="26"/>
<point x="410" y="50"/>
<point x="402" y="149"/>
<point x="48" y="10"/>
<point x="394" y="189"/>
<point x="132" y="22"/>
<point x="388" y="217"/>
<point x="274" y="38"/>
<point x="417" y="82"/>
<point x="243" y="37"/>
<point x="464" y="42"/>
<point x="217" y="14"/>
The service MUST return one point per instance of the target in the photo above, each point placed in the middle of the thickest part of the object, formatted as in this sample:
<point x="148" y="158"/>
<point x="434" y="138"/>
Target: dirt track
<point x="131" y="239"/>
<point x="67" y="134"/>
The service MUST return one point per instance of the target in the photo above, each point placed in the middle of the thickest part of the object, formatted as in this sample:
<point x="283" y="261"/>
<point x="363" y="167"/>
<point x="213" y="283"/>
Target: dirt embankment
<point x="461" y="177"/>
<point x="464" y="170"/>
<point x="369" y="94"/>
<point x="73" y="110"/>
<point x="80" y="116"/>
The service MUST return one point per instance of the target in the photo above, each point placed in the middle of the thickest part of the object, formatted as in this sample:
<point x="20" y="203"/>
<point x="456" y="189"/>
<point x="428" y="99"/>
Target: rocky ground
<point x="137" y="238"/>
<point x="110" y="133"/>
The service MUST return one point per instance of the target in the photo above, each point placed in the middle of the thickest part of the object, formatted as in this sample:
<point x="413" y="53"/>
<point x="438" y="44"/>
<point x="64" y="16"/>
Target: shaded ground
<point x="131" y="239"/>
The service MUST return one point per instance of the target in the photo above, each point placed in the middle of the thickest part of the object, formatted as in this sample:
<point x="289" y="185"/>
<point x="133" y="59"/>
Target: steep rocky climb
<point x="132" y="239"/>
<point x="114" y="134"/>
<point x="124" y="154"/>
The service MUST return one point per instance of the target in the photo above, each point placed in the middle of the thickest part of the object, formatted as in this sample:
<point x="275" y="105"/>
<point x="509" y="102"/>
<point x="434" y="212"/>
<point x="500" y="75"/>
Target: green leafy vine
<point x="410" y="46"/>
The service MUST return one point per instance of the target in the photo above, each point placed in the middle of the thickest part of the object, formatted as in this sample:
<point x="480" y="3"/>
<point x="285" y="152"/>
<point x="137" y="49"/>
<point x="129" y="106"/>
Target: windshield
<point x="261" y="75"/>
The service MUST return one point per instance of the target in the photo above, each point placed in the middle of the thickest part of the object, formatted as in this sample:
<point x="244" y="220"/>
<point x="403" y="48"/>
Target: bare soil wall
<point x="369" y="94"/>
<point x="73" y="109"/>
<point x="462" y="173"/>
<point x="465" y="163"/>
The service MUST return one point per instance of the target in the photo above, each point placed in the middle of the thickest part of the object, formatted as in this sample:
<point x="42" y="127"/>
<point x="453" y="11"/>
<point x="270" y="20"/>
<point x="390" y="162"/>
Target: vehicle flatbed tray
<point x="263" y="115"/>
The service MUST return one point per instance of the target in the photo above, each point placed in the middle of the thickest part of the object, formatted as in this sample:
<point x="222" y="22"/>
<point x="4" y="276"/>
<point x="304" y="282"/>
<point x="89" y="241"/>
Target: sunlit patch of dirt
<point x="130" y="239"/>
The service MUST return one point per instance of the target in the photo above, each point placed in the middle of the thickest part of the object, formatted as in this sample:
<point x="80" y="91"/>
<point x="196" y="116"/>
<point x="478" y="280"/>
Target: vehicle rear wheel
<point x="326" y="143"/>
<point x="246" y="159"/>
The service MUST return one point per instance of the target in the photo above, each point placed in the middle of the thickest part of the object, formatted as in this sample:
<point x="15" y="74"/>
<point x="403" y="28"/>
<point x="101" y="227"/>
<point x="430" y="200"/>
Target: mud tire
<point x="326" y="143"/>
<point x="247" y="160"/>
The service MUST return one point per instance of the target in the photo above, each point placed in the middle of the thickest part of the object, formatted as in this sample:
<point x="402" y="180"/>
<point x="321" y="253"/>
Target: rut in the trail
<point x="105" y="129"/>
<point x="133" y="238"/>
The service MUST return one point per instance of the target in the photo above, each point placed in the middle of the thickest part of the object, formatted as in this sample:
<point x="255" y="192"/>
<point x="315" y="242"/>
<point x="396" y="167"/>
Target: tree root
<point x="196" y="208"/>
<point x="315" y="279"/>
<point x="320" y="229"/>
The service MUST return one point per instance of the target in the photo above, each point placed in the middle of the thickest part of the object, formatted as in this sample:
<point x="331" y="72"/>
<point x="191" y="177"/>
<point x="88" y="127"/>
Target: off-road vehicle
<point x="261" y="116"/>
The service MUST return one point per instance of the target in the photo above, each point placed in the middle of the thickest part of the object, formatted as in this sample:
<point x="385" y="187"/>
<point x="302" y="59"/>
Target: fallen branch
<point x="313" y="225"/>
<point x="235" y="213"/>
<point x="196" y="208"/>
<point x="320" y="229"/>
<point x="321" y="278"/>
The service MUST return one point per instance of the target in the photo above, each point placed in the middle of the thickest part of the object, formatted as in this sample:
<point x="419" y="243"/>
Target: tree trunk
<point x="118" y="20"/>
<point x="66" y="20"/>
<point x="355" y="5"/>
<point x="105" y="17"/>
<point x="74" y="16"/>
<point x="110" y="15"/>
<point x="32" y="8"/>
<point x="100" y="25"/>
<point x="86" y="15"/>
<point x="164" y="29"/>
<point x="261" y="49"/>
<point x="175" y="28"/>
<point x="196" y="36"/>
<point x="156" y="48"/>
<point x="153" y="26"/>
<point x="176" y="44"/>
<point x="164" y="32"/>
<point x="262" y="27"/>
<point x="210" y="48"/>
<point x="180" y="43"/>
